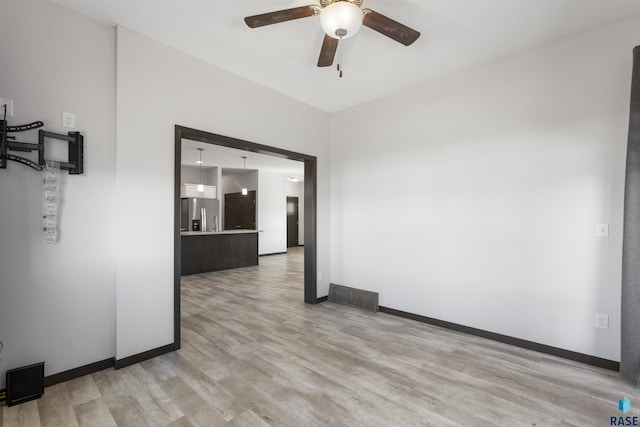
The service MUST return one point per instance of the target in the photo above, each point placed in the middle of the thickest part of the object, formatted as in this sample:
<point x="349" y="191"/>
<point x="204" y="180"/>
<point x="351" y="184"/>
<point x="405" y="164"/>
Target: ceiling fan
<point x="340" y="19"/>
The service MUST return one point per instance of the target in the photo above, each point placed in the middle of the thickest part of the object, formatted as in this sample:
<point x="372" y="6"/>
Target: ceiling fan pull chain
<point x="340" y="58"/>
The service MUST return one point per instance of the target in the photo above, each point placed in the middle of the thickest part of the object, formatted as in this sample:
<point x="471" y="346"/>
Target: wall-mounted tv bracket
<point x="10" y="143"/>
<point x="75" y="165"/>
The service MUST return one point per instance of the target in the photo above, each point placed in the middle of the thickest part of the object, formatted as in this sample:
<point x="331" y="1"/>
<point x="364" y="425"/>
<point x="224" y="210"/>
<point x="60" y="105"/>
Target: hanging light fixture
<point x="341" y="19"/>
<point x="244" y="176"/>
<point x="200" y="187"/>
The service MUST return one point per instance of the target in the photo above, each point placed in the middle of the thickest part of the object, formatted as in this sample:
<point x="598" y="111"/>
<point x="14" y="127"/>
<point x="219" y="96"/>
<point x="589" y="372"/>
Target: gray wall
<point x="191" y="175"/>
<point x="57" y="301"/>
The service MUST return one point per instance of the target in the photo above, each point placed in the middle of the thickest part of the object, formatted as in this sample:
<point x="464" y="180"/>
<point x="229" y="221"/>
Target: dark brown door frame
<point x="310" y="209"/>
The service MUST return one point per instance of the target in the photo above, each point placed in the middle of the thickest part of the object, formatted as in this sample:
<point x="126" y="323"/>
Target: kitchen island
<point x="204" y="251"/>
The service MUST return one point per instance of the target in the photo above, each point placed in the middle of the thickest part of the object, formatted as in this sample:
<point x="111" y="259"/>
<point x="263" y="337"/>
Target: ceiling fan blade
<point x="280" y="16"/>
<point x="328" y="51"/>
<point x="390" y="28"/>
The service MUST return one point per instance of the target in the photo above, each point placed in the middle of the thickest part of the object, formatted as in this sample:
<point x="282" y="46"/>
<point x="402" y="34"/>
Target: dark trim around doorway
<point x="310" y="217"/>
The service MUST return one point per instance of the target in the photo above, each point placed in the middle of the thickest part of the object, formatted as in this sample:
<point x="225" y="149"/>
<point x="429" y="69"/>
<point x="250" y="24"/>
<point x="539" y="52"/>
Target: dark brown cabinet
<point x="240" y="211"/>
<point x="206" y="252"/>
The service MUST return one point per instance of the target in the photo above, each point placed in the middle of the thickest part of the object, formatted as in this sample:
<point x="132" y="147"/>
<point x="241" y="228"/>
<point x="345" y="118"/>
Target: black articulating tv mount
<point x="75" y="165"/>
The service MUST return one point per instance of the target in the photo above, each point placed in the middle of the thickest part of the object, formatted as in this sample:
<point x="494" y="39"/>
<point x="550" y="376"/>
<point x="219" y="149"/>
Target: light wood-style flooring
<point x="253" y="354"/>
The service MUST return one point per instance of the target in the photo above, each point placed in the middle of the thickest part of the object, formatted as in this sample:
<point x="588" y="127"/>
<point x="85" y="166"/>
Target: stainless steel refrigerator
<point x="204" y="211"/>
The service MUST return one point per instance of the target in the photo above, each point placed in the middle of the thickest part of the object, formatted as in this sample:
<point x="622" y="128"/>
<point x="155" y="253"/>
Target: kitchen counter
<point x="205" y="233"/>
<point x="205" y="251"/>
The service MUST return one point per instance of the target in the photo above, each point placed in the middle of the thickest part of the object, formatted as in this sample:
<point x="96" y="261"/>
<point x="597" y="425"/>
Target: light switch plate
<point x="9" y="103"/>
<point x="602" y="230"/>
<point x="68" y="120"/>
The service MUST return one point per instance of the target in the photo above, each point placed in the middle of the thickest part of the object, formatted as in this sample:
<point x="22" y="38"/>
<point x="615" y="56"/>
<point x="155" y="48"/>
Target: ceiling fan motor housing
<point x="325" y="3"/>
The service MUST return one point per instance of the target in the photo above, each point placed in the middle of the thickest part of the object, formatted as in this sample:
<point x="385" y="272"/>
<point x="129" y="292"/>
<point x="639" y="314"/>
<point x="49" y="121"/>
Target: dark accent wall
<point x="630" y="316"/>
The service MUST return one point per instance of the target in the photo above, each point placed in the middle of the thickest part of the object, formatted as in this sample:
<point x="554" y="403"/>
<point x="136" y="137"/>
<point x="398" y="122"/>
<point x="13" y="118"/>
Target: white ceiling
<point x="231" y="159"/>
<point x="456" y="35"/>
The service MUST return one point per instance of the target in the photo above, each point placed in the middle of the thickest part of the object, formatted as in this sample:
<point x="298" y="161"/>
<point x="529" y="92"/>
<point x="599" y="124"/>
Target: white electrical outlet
<point x="68" y="120"/>
<point x="319" y="275"/>
<point x="9" y="103"/>
<point x="602" y="230"/>
<point x="602" y="321"/>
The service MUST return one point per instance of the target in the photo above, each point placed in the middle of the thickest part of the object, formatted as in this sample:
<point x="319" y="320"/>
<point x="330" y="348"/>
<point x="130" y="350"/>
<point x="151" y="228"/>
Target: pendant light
<point x="200" y="187"/>
<point x="341" y="20"/>
<point x="244" y="176"/>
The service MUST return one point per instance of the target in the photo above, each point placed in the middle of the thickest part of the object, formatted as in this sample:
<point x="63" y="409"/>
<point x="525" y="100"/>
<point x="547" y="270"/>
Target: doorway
<point x="292" y="222"/>
<point x="310" y="208"/>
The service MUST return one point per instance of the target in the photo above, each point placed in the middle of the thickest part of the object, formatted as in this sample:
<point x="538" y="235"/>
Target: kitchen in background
<point x="222" y="225"/>
<point x="199" y="210"/>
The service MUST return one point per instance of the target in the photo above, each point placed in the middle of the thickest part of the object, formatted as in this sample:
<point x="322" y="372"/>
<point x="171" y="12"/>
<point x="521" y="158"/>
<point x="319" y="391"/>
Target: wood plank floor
<point x="253" y="354"/>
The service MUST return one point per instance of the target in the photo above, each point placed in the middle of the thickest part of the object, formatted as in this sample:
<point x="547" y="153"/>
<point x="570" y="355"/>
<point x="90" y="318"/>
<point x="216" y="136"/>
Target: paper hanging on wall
<point x="50" y="202"/>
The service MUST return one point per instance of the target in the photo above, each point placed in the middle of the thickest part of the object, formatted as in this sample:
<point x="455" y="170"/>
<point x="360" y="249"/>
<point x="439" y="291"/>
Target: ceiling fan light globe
<point x="339" y="17"/>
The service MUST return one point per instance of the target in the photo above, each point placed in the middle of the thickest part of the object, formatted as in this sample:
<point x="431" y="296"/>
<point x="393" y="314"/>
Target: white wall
<point x="296" y="189"/>
<point x="57" y="302"/>
<point x="149" y="73"/>
<point x="474" y="199"/>
<point x="272" y="206"/>
<point x="508" y="168"/>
